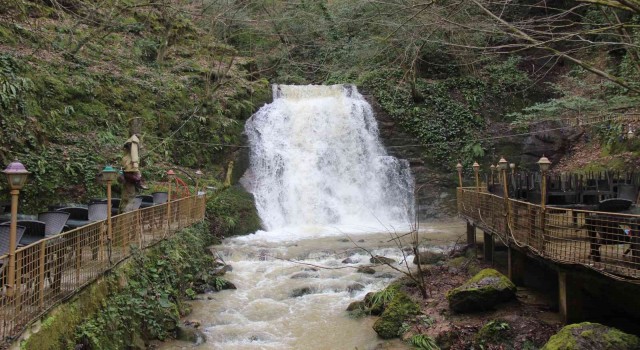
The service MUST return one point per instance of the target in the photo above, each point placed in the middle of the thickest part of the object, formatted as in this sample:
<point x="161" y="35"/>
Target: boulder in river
<point x="428" y="258"/>
<point x="382" y="260"/>
<point x="482" y="292"/>
<point x="396" y="312"/>
<point x="591" y="336"/>
<point x="190" y="334"/>
<point x="366" y="269"/>
<point x="298" y="292"/>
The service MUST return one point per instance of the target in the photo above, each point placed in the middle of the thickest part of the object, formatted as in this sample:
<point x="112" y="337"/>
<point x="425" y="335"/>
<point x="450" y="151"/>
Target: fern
<point x="424" y="342"/>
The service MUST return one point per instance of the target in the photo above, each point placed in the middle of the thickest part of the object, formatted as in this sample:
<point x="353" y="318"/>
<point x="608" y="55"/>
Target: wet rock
<point x="366" y="269"/>
<point x="310" y="269"/>
<point x="356" y="305"/>
<point x="298" y="292"/>
<point x="381" y="260"/>
<point x="350" y="261"/>
<point x="220" y="271"/>
<point x="192" y="323"/>
<point x="587" y="335"/>
<point x="385" y="275"/>
<point x="228" y="285"/>
<point x="428" y="258"/>
<point x="399" y="309"/>
<point x="300" y="275"/>
<point x="482" y="292"/>
<point x="344" y="240"/>
<point x="361" y="241"/>
<point x="190" y="334"/>
<point x="355" y="287"/>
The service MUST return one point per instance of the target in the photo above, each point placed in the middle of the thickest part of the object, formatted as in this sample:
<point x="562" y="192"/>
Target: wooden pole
<point x="12" y="243"/>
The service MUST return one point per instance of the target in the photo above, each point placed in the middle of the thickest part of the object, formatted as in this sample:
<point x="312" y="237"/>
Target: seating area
<point x="63" y="217"/>
<point x="567" y="190"/>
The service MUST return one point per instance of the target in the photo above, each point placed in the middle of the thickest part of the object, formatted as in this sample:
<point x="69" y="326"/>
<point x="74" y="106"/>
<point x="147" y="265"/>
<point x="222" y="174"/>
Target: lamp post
<point x="503" y="165"/>
<point x="459" y="168"/>
<point x="109" y="174"/>
<point x="170" y="176"/>
<point x="476" y="169"/>
<point x="16" y="177"/>
<point x="493" y="168"/>
<point x="199" y="174"/>
<point x="544" y="164"/>
<point x="513" y="168"/>
<point x="630" y="133"/>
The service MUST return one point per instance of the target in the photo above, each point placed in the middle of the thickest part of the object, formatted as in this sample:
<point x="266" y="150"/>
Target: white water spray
<point x="316" y="160"/>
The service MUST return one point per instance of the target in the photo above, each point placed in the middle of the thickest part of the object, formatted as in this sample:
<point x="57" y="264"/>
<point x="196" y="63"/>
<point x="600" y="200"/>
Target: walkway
<point x="54" y="269"/>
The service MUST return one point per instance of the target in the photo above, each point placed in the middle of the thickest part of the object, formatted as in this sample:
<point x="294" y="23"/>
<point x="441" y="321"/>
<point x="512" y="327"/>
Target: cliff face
<point x="435" y="196"/>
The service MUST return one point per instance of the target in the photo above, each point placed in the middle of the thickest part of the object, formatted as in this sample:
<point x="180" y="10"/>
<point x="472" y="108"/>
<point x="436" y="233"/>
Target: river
<point x="264" y="313"/>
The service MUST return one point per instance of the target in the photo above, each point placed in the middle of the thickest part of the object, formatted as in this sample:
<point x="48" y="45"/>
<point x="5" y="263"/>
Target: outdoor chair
<point x="97" y="211"/>
<point x="54" y="222"/>
<point x="34" y="231"/>
<point x="160" y="197"/>
<point x="5" y="229"/>
<point x="147" y="200"/>
<point x="137" y="202"/>
<point x="78" y="216"/>
<point x="628" y="191"/>
<point x="115" y="204"/>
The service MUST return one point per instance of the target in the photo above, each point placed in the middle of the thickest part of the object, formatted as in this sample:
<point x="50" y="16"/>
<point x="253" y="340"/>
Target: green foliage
<point x="493" y="332"/>
<point x="232" y="211"/>
<point x="423" y="342"/>
<point x="398" y="311"/>
<point x="382" y="298"/>
<point x="150" y="303"/>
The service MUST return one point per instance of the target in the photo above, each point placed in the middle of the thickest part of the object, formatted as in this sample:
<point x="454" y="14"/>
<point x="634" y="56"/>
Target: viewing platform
<point x="575" y="241"/>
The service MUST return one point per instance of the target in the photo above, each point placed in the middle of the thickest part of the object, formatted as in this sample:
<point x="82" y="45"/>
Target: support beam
<point x="571" y="299"/>
<point x="516" y="261"/>
<point x="488" y="247"/>
<point x="471" y="233"/>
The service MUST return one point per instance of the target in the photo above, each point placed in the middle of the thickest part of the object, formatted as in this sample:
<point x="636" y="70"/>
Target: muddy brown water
<point x="265" y="313"/>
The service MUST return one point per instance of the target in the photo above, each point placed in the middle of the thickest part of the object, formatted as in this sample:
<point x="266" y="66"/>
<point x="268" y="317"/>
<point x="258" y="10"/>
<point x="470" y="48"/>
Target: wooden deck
<point x="605" y="242"/>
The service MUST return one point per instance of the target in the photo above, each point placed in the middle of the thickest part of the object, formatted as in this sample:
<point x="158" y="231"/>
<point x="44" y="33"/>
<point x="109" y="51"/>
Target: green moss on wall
<point x="232" y="211"/>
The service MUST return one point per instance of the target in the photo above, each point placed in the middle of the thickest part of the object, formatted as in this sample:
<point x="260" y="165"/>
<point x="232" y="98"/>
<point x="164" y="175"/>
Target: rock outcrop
<point x="482" y="292"/>
<point x="591" y="336"/>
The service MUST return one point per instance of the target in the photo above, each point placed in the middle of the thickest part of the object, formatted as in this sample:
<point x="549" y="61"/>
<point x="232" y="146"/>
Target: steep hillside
<point x="74" y="73"/>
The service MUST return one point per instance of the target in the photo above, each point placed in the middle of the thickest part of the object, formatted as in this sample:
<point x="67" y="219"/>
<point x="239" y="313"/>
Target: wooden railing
<point x="52" y="269"/>
<point x="606" y="242"/>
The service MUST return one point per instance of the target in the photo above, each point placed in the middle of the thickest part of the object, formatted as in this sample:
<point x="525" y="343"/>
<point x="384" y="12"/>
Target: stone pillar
<point x="471" y="233"/>
<point x="488" y="247"/>
<point x="570" y="301"/>
<point x="516" y="261"/>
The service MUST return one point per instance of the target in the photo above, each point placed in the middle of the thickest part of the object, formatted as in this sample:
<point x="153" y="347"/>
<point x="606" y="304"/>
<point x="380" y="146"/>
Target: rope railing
<point x="55" y="268"/>
<point x="605" y="242"/>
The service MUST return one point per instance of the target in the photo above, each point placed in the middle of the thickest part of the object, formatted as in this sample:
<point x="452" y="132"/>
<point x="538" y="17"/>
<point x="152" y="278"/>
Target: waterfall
<point x="316" y="160"/>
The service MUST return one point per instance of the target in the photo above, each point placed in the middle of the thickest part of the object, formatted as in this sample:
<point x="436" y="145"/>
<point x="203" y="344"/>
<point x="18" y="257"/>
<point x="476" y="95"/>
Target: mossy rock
<point x="591" y="336"/>
<point x="232" y="211"/>
<point x="398" y="311"/>
<point x="482" y="292"/>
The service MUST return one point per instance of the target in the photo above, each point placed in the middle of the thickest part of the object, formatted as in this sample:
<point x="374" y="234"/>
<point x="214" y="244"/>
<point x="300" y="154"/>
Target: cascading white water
<point x="316" y="160"/>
